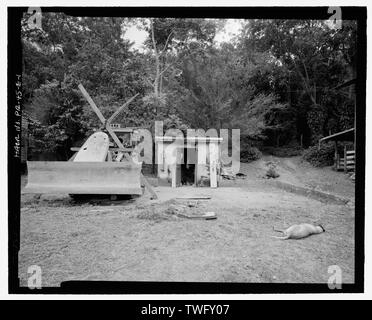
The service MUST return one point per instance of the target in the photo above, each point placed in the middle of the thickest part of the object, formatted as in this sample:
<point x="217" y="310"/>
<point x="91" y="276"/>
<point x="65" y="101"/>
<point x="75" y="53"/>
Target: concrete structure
<point x="188" y="161"/>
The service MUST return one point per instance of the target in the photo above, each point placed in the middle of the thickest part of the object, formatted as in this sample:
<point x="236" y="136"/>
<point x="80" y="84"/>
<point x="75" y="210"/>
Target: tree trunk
<point x="157" y="62"/>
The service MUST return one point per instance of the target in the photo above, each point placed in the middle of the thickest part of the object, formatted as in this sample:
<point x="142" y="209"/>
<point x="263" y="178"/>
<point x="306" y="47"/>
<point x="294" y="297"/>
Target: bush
<point x="249" y="154"/>
<point x="271" y="173"/>
<point x="285" y="151"/>
<point x="320" y="157"/>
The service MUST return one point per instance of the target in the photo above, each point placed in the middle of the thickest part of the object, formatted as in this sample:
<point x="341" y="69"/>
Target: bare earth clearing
<point x="139" y="239"/>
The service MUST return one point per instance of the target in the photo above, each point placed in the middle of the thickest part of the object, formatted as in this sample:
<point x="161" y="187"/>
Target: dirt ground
<point x="295" y="171"/>
<point x="143" y="240"/>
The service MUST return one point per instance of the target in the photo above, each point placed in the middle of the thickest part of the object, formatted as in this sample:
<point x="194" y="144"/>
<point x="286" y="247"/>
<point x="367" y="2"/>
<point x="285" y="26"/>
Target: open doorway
<point x="188" y="167"/>
<point x="188" y="174"/>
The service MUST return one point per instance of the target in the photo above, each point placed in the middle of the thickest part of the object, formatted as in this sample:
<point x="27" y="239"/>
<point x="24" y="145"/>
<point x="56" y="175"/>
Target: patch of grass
<point x="155" y="212"/>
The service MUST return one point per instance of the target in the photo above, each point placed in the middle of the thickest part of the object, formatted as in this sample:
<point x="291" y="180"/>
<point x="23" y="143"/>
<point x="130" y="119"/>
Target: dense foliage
<point x="274" y="81"/>
<point x="320" y="156"/>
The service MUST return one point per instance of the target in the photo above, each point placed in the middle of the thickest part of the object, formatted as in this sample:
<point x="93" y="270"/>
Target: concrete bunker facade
<point x="188" y="160"/>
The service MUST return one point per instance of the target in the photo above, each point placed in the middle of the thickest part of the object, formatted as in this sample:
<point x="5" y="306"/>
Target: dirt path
<point x="141" y="240"/>
<point x="301" y="173"/>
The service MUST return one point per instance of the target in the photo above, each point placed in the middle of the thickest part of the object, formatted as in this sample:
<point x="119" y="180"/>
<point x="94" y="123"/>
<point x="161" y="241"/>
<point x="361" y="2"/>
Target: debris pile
<point x="190" y="210"/>
<point x="227" y="173"/>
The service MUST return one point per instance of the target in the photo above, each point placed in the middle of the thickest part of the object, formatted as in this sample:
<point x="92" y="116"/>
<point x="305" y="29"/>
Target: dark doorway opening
<point x="188" y="174"/>
<point x="188" y="169"/>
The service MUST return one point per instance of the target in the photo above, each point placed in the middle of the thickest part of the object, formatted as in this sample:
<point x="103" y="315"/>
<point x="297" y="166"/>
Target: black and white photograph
<point x="186" y="150"/>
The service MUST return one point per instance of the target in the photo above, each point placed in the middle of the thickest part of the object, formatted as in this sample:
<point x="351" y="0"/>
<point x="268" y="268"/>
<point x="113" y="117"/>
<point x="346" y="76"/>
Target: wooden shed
<point x="345" y="160"/>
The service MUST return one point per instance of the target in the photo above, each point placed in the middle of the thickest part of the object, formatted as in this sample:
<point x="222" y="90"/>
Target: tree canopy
<point x="275" y="80"/>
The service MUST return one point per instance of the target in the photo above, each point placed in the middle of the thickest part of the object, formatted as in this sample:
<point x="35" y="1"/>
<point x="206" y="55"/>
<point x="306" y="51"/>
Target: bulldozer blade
<point x="83" y="177"/>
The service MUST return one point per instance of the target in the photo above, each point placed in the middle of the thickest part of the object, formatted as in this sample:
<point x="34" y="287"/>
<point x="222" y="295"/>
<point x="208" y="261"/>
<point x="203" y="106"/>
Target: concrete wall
<point x="170" y="152"/>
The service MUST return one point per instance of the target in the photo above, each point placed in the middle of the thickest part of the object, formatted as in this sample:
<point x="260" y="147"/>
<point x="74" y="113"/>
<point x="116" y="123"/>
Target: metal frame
<point x="110" y="130"/>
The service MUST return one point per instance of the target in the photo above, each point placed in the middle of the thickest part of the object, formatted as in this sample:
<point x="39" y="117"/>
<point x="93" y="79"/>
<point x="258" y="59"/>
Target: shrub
<point x="283" y="151"/>
<point x="271" y="173"/>
<point x="320" y="157"/>
<point x="249" y="154"/>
